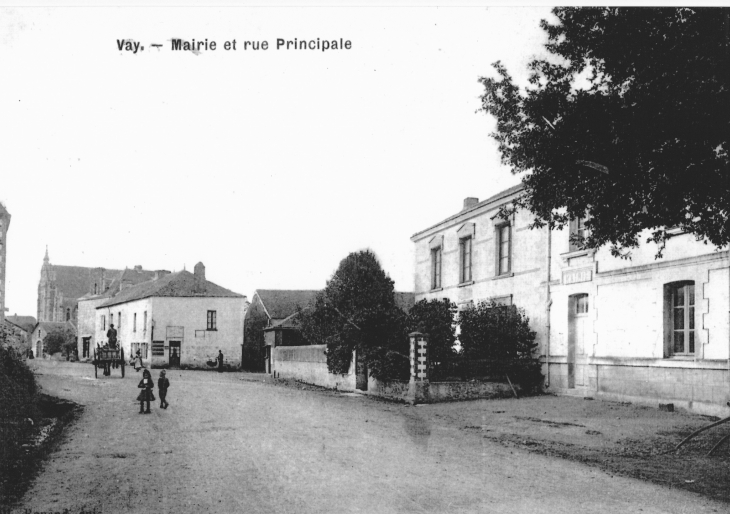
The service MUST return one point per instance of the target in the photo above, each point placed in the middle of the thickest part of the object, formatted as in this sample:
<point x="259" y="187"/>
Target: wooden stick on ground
<point x="700" y="430"/>
<point x="724" y="438"/>
<point x="510" y="384"/>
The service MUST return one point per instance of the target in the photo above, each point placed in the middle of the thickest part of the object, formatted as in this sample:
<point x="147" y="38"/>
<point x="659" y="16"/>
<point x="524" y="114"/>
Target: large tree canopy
<point x="627" y="122"/>
<point x="357" y="311"/>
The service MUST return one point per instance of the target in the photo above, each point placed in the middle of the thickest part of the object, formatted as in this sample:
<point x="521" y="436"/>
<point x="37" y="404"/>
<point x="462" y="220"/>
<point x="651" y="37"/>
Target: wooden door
<point x="174" y="354"/>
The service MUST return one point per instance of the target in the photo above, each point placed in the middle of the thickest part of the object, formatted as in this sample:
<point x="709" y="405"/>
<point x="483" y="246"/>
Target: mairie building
<point x="644" y="330"/>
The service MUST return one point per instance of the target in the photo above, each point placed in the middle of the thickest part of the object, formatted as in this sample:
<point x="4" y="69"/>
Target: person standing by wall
<point x="220" y="361"/>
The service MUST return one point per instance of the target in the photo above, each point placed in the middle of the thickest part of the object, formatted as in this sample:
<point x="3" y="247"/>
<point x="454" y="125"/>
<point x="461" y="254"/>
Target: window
<point x="581" y="304"/>
<point x="212" y="320"/>
<point x="465" y="260"/>
<point x="119" y="321"/>
<point x="103" y="322"/>
<point x="134" y="323"/>
<point x="111" y="318"/>
<point x="504" y="249"/>
<point x="68" y="314"/>
<point x="144" y="328"/>
<point x="682" y="318"/>
<point x="436" y="268"/>
<point x="577" y="234"/>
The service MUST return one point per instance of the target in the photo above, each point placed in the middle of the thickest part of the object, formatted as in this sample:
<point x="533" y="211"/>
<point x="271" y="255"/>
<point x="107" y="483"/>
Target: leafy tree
<point x="627" y="121"/>
<point x="357" y="311"/>
<point x="60" y="340"/>
<point x="435" y="318"/>
<point x="502" y="334"/>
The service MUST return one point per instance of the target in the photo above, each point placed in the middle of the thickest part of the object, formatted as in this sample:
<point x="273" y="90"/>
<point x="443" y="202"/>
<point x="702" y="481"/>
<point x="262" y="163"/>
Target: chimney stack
<point x="199" y="273"/>
<point x="160" y="273"/>
<point x="470" y="202"/>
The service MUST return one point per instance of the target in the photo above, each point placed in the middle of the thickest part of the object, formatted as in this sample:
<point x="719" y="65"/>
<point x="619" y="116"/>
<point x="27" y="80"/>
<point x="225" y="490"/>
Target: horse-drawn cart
<point x="108" y="358"/>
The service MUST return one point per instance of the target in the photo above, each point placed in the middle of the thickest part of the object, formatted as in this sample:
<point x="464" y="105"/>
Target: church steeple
<point x="45" y="259"/>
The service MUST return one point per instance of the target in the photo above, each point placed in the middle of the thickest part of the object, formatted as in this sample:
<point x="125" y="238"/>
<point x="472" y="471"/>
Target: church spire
<point x="45" y="259"/>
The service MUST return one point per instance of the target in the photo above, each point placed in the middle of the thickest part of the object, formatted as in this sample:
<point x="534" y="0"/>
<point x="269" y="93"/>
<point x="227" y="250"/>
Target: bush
<point x="501" y="333"/>
<point x="62" y="340"/>
<point x="435" y="318"/>
<point x="18" y="405"/>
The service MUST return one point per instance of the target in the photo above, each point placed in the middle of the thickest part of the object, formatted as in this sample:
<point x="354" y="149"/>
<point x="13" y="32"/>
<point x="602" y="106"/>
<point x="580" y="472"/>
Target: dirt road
<point x="230" y="444"/>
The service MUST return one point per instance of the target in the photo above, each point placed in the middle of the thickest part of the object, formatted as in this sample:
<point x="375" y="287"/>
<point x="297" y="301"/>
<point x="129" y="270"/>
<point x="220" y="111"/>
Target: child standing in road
<point x="163" y="383"/>
<point x="145" y="395"/>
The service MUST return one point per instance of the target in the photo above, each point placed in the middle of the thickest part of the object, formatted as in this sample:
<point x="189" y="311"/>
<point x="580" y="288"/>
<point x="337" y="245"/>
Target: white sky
<point x="269" y="167"/>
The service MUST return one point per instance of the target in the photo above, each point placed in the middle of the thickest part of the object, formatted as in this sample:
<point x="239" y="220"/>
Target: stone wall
<point x="309" y="364"/>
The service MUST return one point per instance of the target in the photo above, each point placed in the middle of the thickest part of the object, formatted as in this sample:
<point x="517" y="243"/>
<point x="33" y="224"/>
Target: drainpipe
<point x="548" y="305"/>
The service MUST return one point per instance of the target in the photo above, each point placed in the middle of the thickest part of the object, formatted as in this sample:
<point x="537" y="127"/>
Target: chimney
<point x="160" y="273"/>
<point x="199" y="273"/>
<point x="470" y="202"/>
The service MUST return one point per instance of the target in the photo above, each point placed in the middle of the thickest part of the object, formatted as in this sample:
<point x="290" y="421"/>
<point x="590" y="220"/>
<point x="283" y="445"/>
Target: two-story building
<point x="178" y="320"/>
<point x="646" y="330"/>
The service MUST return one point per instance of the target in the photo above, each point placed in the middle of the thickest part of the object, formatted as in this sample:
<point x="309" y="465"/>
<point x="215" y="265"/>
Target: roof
<point x="175" y="285"/>
<point x="24" y="322"/>
<point x="494" y="199"/>
<point x="405" y="301"/>
<point x="76" y="281"/>
<point x="15" y="326"/>
<point x="50" y="326"/>
<point x="288" y="323"/>
<point x="281" y="303"/>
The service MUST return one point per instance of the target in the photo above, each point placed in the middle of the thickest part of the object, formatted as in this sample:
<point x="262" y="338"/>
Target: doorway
<point x="85" y="349"/>
<point x="174" y="361"/>
<point x="577" y="322"/>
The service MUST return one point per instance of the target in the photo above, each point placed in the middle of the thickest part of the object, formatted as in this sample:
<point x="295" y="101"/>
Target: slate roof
<point x="281" y="303"/>
<point x="15" y="326"/>
<point x="405" y="301"/>
<point x="180" y="284"/>
<point x="76" y="281"/>
<point x="50" y="326"/>
<point x="25" y="322"/>
<point x="495" y="199"/>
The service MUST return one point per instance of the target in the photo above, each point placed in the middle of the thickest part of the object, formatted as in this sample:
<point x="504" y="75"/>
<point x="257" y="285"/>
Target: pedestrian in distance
<point x="138" y="362"/>
<point x="220" y="361"/>
<point x="163" y="384"/>
<point x="146" y="394"/>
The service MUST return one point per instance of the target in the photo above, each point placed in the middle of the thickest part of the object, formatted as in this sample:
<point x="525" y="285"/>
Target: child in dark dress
<point x="163" y="383"/>
<point x="145" y="395"/>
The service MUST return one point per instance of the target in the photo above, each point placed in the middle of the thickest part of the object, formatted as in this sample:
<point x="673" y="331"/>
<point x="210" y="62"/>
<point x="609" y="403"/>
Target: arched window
<point x="68" y="314"/>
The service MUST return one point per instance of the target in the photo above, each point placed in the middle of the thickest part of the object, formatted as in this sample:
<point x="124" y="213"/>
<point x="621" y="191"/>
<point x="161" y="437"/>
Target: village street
<point x="229" y="443"/>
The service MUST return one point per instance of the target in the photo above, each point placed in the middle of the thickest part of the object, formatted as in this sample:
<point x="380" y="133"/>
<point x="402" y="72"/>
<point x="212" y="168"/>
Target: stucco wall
<point x="87" y="323"/>
<point x="309" y="364"/>
<point x="197" y="345"/>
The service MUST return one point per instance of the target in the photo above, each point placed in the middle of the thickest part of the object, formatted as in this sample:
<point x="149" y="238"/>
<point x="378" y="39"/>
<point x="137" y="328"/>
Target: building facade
<point x="87" y="304"/>
<point x="4" y="225"/>
<point x="178" y="320"/>
<point x="644" y="330"/>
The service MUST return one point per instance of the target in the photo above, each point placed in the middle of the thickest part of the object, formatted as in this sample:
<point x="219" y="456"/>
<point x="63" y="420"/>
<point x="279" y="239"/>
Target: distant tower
<point x="4" y="225"/>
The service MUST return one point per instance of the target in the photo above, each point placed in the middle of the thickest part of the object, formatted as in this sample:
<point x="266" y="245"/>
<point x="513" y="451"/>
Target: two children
<point x="146" y="395"/>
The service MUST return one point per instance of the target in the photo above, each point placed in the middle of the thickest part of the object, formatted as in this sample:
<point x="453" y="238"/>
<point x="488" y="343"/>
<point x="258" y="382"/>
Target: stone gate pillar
<point x="418" y="385"/>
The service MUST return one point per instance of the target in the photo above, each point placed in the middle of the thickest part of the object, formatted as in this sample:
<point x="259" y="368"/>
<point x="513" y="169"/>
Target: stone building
<point x="87" y="304"/>
<point x="645" y="330"/>
<point x="4" y="225"/>
<point x="60" y="287"/>
<point x="178" y="320"/>
<point x="41" y="330"/>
